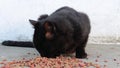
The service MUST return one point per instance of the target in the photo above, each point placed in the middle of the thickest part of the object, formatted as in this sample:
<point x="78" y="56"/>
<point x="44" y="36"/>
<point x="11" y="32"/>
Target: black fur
<point x="64" y="31"/>
<point x="18" y="43"/>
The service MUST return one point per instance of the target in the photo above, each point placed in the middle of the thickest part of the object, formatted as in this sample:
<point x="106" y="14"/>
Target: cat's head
<point x="49" y="28"/>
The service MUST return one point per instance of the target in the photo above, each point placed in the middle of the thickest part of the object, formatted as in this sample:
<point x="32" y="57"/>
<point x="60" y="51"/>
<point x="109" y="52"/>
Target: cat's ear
<point x="49" y="26"/>
<point x="33" y="22"/>
<point x="44" y="16"/>
<point x="49" y="30"/>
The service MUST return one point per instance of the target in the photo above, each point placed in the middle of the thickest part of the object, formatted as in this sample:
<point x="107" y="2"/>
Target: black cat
<point x="64" y="31"/>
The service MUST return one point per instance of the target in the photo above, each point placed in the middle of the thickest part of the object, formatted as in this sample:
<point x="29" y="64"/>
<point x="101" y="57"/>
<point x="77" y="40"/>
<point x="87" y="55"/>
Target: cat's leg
<point x="47" y="54"/>
<point x="80" y="50"/>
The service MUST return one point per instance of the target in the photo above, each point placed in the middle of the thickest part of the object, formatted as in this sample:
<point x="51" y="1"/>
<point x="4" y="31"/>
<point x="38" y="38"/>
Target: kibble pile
<point x="43" y="62"/>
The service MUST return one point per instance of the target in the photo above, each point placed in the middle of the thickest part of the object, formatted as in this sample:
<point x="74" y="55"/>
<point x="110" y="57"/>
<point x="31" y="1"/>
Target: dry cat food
<point x="43" y="62"/>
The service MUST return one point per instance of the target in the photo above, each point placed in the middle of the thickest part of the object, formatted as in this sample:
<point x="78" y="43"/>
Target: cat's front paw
<point x="82" y="55"/>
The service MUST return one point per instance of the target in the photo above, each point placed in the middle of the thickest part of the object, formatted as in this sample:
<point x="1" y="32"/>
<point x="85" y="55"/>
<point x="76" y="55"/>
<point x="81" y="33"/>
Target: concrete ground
<point x="107" y="55"/>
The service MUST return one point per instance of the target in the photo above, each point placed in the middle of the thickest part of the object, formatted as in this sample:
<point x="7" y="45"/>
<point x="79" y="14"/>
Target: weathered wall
<point x="104" y="16"/>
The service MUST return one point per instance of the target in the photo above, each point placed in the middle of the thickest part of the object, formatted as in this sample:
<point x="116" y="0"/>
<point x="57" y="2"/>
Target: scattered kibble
<point x="43" y="62"/>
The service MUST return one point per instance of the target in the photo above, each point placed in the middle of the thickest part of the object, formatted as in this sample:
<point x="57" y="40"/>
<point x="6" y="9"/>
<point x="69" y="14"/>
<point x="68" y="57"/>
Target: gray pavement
<point x="104" y="54"/>
<point x="107" y="55"/>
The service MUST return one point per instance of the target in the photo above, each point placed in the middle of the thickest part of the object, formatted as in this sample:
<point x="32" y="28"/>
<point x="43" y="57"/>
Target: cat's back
<point x="64" y="11"/>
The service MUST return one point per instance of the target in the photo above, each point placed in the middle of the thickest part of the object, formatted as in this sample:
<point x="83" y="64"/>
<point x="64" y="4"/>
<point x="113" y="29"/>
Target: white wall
<point x="14" y="15"/>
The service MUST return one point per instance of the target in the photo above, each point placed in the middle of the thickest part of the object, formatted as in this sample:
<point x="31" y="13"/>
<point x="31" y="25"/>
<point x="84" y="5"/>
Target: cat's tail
<point x="18" y="43"/>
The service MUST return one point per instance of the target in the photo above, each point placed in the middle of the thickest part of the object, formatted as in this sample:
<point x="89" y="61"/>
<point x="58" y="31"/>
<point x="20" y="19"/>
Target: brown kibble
<point x="43" y="62"/>
<point x="29" y="53"/>
<point x="4" y="60"/>
<point x="96" y="60"/>
<point x="105" y="61"/>
<point x="7" y="66"/>
<point x="98" y="56"/>
<point x="105" y="66"/>
<point x="114" y="59"/>
<point x="118" y="63"/>
<point x="34" y="54"/>
<point x="32" y="66"/>
<point x="82" y="64"/>
<point x="97" y="66"/>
